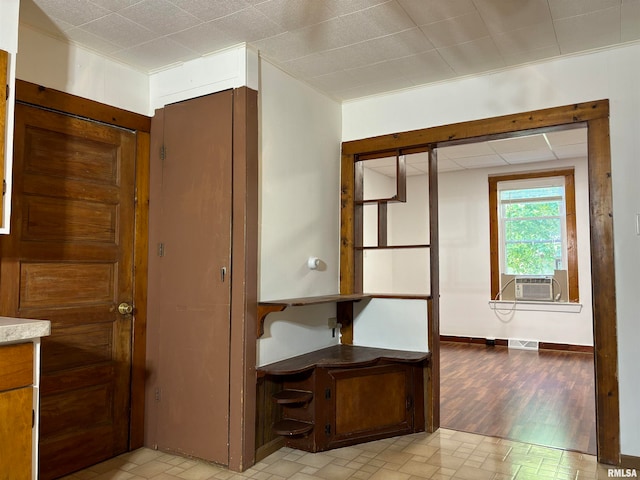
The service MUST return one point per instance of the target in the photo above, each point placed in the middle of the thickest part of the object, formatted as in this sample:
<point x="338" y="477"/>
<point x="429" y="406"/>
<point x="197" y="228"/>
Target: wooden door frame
<point x="36" y="95"/>
<point x="595" y="115"/>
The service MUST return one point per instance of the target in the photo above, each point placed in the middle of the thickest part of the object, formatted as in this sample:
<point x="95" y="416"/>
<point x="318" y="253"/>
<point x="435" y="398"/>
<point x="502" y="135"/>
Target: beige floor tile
<point x="470" y="473"/>
<point x="384" y="474"/>
<point x="419" y="469"/>
<point x="334" y="472"/>
<point x="393" y="456"/>
<point x="284" y="468"/>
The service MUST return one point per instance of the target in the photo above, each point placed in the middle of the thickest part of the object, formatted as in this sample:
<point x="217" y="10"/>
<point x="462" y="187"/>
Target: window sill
<point x="563" y="307"/>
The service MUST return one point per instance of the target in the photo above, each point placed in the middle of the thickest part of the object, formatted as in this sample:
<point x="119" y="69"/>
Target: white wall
<point x="62" y="66"/>
<point x="465" y="271"/>
<point x="230" y="68"/>
<point x="299" y="210"/>
<point x="612" y="74"/>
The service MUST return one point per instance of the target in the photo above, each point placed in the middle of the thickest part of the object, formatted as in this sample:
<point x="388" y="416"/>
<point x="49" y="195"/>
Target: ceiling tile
<point x="156" y="54"/>
<point x="430" y="11"/>
<point x="374" y="88"/>
<point x="531" y="55"/>
<point x="160" y="16"/>
<point x="473" y="57"/>
<point x="334" y="81"/>
<point x="529" y="156"/>
<point x="481" y="161"/>
<point x="284" y="47"/>
<point x="571" y="136"/>
<point x="204" y="39"/>
<point x="74" y="12"/>
<point x="505" y="15"/>
<point x="446" y="165"/>
<point x="592" y="30"/>
<point x="342" y="7"/>
<point x="118" y="30"/>
<point x="207" y="10"/>
<point x="466" y="150"/>
<point x="414" y="170"/>
<point x="248" y="25"/>
<point x="115" y="5"/>
<point x="519" y="144"/>
<point x="630" y="28"/>
<point x="385" y="19"/>
<point x="294" y="14"/>
<point x="452" y="31"/>
<point x="423" y="68"/>
<point x="570" y="151"/>
<point x="533" y="37"/>
<point x="386" y="171"/>
<point x="571" y="8"/>
<point x="312" y="65"/>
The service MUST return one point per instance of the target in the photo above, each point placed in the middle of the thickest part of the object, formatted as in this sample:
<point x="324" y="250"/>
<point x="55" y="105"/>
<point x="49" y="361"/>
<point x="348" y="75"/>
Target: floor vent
<point x="523" y="344"/>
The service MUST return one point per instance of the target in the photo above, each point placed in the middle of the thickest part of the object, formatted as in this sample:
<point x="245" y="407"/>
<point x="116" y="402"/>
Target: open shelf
<point x="290" y="397"/>
<point x="265" y="308"/>
<point x="290" y="428"/>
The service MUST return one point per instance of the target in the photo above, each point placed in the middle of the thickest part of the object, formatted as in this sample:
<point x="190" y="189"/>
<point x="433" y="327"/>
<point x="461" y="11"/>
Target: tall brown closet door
<point x="190" y="279"/>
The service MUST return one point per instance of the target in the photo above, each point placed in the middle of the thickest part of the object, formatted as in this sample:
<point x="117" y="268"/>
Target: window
<point x="533" y="228"/>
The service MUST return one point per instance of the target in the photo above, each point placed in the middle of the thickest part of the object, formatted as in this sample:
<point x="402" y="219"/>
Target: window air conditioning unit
<point x="534" y="288"/>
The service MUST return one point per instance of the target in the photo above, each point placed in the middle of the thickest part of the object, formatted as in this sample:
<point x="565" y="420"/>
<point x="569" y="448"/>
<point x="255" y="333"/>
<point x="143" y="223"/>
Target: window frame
<point x="570" y="220"/>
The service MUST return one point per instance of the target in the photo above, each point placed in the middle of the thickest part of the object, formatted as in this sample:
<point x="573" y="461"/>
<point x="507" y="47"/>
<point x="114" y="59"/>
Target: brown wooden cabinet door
<point x="15" y="434"/>
<point x="189" y="292"/>
<point x="369" y="403"/>
<point x="69" y="259"/>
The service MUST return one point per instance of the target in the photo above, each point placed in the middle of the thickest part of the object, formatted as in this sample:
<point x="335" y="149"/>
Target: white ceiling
<point x="541" y="147"/>
<point x="345" y="48"/>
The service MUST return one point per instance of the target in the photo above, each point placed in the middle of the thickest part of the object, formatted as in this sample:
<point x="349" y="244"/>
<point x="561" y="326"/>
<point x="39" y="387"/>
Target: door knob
<point x="124" y="308"/>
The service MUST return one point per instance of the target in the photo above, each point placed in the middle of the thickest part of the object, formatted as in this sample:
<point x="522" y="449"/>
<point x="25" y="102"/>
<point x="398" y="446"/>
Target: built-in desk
<point x="344" y="395"/>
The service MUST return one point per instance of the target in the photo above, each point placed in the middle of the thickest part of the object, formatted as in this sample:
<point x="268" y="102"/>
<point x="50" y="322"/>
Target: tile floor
<point x="446" y="454"/>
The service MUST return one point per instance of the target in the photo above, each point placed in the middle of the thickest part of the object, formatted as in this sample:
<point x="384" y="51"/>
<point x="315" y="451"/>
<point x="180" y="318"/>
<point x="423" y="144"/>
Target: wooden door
<point x="189" y="296"/>
<point x="69" y="260"/>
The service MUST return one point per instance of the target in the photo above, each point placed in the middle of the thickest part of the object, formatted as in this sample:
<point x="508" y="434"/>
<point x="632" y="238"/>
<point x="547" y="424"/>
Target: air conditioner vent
<point x="523" y="344"/>
<point x="534" y="288"/>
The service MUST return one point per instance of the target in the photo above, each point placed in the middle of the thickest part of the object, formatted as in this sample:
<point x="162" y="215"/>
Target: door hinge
<point x="161" y="249"/>
<point x="327" y="429"/>
<point x="409" y="402"/>
<point x="4" y="187"/>
<point x="157" y="395"/>
<point x="327" y="393"/>
<point x="33" y="418"/>
<point x="163" y="152"/>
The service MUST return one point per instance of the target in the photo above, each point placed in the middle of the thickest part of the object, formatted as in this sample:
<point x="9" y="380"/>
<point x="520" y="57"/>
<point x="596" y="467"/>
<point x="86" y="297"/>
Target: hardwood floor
<point x="544" y="397"/>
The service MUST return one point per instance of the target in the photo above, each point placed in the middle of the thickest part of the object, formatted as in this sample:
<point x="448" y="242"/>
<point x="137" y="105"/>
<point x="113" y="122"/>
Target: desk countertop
<point x="17" y="329"/>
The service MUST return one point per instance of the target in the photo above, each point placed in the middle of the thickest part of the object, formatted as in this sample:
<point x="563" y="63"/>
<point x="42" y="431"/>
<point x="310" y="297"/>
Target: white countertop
<point x="16" y="329"/>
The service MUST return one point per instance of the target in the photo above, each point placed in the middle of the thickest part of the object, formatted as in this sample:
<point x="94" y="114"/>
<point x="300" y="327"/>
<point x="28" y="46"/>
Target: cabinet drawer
<point x="16" y="366"/>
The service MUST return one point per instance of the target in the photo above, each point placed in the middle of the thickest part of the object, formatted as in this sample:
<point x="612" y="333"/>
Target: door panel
<point x="69" y="260"/>
<point x="190" y="298"/>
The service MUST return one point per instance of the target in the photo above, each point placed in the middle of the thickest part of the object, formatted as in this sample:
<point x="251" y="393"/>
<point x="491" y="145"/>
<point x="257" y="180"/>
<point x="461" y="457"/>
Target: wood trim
<point x="570" y="207"/>
<point x="4" y="79"/>
<point x="630" y="461"/>
<point x="29" y="93"/>
<point x="517" y="124"/>
<point x="64" y="102"/>
<point x="596" y="114"/>
<point x="244" y="278"/>
<point x="603" y="286"/>
<point x="141" y="270"/>
<point x="503" y="342"/>
<point x="432" y="413"/>
<point x="347" y="219"/>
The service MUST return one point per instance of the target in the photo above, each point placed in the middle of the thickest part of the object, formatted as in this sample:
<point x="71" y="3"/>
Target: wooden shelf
<point x="290" y="428"/>
<point x="339" y="356"/>
<point x="290" y="397"/>
<point x="265" y="308"/>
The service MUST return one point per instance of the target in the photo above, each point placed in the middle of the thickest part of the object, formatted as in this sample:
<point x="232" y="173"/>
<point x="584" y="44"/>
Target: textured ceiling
<point x="345" y="48"/>
<point x="541" y="147"/>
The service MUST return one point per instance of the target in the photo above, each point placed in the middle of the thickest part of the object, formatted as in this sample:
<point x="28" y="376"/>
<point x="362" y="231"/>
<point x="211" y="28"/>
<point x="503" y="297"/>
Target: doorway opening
<point x="594" y="115"/>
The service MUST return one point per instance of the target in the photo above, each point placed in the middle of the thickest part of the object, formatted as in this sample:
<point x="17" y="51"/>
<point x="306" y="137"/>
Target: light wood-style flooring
<point x="542" y="397"/>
